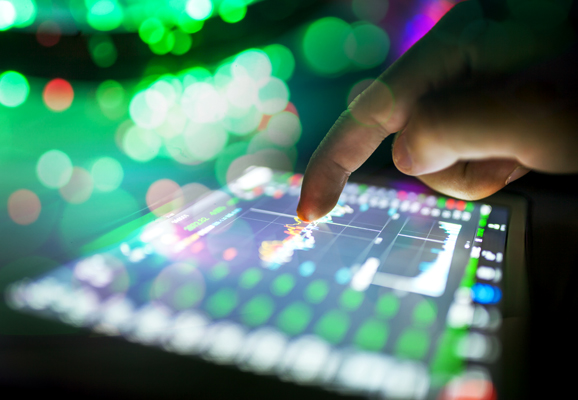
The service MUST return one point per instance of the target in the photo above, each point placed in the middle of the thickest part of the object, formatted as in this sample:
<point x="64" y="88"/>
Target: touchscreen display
<point x="393" y="294"/>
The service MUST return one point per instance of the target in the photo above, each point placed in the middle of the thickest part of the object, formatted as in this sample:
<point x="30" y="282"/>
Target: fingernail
<point x="401" y="155"/>
<point x="517" y="173"/>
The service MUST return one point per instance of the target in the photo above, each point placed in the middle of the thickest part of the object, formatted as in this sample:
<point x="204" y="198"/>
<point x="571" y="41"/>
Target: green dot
<point x="165" y="45"/>
<point x="351" y="299"/>
<point x="316" y="291"/>
<point x="183" y="42"/>
<point x="14" y="89"/>
<point x="372" y="335"/>
<point x="232" y="11"/>
<point x="105" y="15"/>
<point x="160" y="287"/>
<point x="25" y="12"/>
<point x="387" y="306"/>
<point x="333" y="326"/>
<point x="110" y="94"/>
<point x="424" y="313"/>
<point x="323" y="45"/>
<point x="441" y="203"/>
<point x="294" y="318"/>
<point x="54" y="169"/>
<point x="104" y="54"/>
<point x="257" y="310"/>
<point x="367" y="45"/>
<point x="7" y="15"/>
<point x="222" y="303"/>
<point x="151" y="30"/>
<point x="282" y="61"/>
<point x="469" y="206"/>
<point x="250" y="278"/>
<point x="219" y="271"/>
<point x="282" y="285"/>
<point x="199" y="9"/>
<point x="413" y="343"/>
<point x="188" y="24"/>
<point x="188" y="295"/>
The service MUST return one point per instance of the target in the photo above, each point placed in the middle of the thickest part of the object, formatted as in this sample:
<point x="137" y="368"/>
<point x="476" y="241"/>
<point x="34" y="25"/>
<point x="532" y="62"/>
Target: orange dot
<point x="24" y="207"/>
<point x="58" y="95"/>
<point x="230" y="253"/>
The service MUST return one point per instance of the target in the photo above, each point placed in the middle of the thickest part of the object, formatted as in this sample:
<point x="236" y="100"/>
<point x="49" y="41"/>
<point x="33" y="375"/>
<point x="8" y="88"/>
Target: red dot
<point x="48" y="33"/>
<point x="58" y="94"/>
<point x="401" y="195"/>
<point x="230" y="253"/>
<point x="461" y="205"/>
<point x="450" y="204"/>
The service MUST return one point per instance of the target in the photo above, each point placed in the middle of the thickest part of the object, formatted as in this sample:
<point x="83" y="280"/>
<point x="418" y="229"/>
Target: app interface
<point x="394" y="293"/>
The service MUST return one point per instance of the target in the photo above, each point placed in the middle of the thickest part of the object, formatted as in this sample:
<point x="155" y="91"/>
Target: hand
<point x="477" y="104"/>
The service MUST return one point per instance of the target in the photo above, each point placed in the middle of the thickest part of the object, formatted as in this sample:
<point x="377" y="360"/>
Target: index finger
<point x="382" y="109"/>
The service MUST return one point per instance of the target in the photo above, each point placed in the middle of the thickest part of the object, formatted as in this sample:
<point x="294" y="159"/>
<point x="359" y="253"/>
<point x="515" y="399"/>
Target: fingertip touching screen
<point x="393" y="294"/>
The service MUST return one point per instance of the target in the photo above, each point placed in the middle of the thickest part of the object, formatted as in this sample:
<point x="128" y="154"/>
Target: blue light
<point x="343" y="276"/>
<point x="307" y="268"/>
<point x="486" y="294"/>
<point x="364" y="207"/>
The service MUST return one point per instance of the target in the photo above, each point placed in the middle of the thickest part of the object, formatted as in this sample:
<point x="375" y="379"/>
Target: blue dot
<point x="307" y="268"/>
<point x="486" y="294"/>
<point x="391" y="211"/>
<point x="364" y="207"/>
<point x="343" y="276"/>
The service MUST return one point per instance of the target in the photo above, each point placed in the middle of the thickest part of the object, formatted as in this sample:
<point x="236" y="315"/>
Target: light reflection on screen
<point x="393" y="293"/>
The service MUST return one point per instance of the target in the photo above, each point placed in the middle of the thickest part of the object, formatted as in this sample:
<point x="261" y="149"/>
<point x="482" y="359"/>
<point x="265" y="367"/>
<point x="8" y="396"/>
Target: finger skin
<point x="472" y="180"/>
<point x="479" y="124"/>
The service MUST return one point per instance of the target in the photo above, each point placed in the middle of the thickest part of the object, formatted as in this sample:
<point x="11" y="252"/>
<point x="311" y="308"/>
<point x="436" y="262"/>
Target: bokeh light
<point x="24" y="207"/>
<point x="367" y="45"/>
<point x="151" y="30"/>
<point x="141" y="144"/>
<point x="323" y="45"/>
<point x="48" y="33"/>
<point x="105" y="15"/>
<point x="282" y="61"/>
<point x="111" y="97"/>
<point x="58" y="95"/>
<point x="148" y="109"/>
<point x="79" y="187"/>
<point x="25" y="12"/>
<point x="164" y="196"/>
<point x="14" y="89"/>
<point x="183" y="42"/>
<point x="284" y="129"/>
<point x="357" y="89"/>
<point x="199" y="9"/>
<point x="370" y="10"/>
<point x="7" y="15"/>
<point x="107" y="174"/>
<point x="204" y="142"/>
<point x="273" y="96"/>
<point x="102" y="50"/>
<point x="232" y="11"/>
<point x="54" y="169"/>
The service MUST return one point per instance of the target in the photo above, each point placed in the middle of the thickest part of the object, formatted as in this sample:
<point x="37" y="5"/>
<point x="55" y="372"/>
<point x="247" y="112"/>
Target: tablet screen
<point x="394" y="293"/>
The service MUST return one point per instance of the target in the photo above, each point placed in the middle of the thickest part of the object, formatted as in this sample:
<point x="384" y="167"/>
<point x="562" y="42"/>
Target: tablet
<point x="396" y="293"/>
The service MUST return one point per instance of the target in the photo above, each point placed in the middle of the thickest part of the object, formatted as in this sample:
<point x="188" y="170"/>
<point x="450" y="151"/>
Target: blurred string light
<point x="102" y="50"/>
<point x="165" y="26"/>
<point x="194" y="115"/>
<point x="332" y="46"/>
